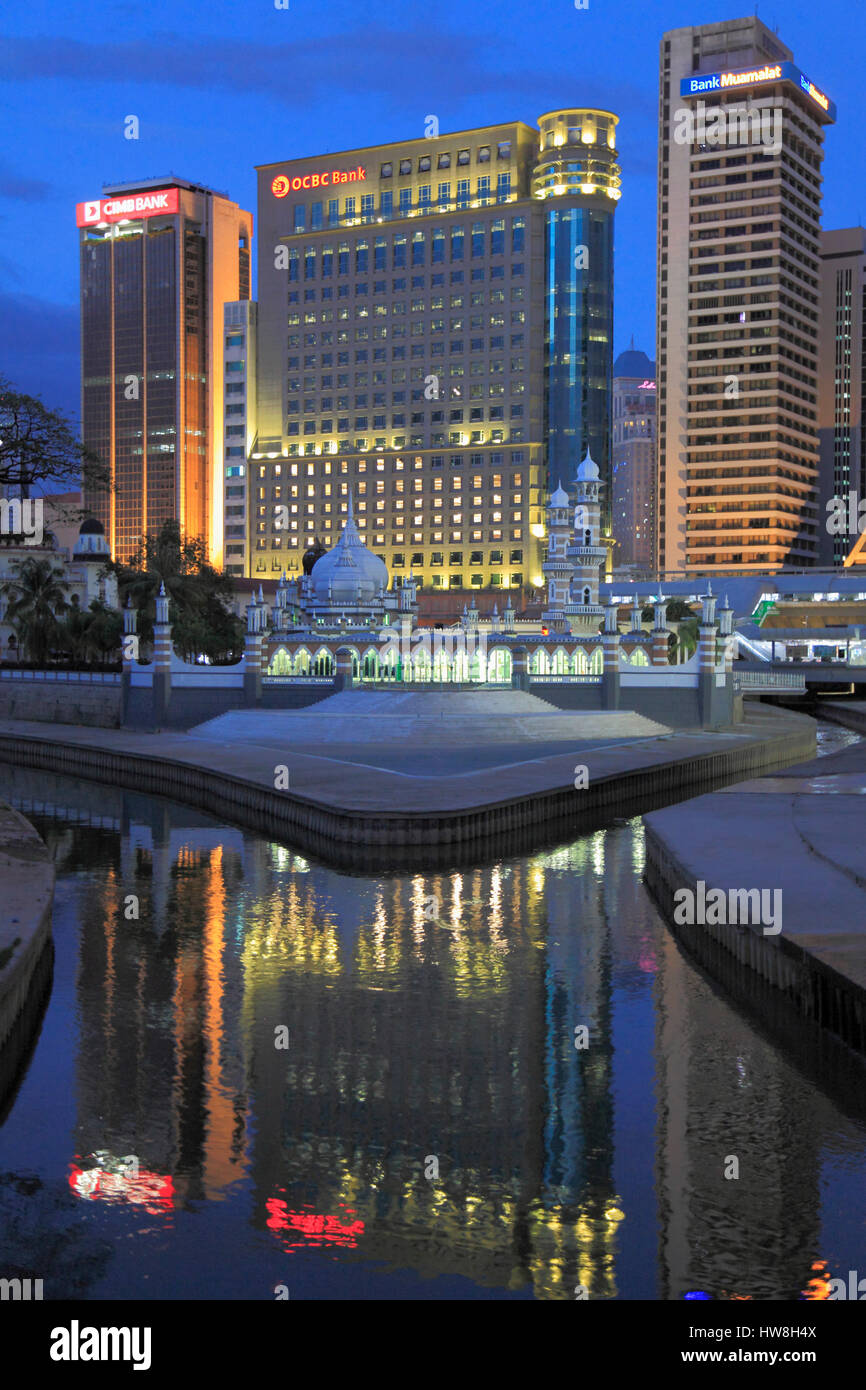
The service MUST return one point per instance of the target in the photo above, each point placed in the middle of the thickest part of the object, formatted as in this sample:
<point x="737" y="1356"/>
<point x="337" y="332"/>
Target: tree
<point x="91" y="634"/>
<point x="40" y="448"/>
<point x="35" y="598"/>
<point x="199" y="595"/>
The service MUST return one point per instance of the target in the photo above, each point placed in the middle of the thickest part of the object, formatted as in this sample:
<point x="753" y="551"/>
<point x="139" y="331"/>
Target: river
<point x="260" y="1077"/>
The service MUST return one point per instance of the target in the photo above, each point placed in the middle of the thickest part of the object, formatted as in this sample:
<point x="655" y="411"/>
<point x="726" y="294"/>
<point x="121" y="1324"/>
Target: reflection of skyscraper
<point x="725" y="1093"/>
<point x="411" y="1037"/>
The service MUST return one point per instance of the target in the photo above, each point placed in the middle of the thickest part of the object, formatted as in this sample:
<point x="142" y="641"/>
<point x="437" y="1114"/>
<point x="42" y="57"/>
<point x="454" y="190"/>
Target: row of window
<point x="444" y="160"/>
<point x="365" y="208"/>
<point x="418" y="306"/>
<point x="484" y="240"/>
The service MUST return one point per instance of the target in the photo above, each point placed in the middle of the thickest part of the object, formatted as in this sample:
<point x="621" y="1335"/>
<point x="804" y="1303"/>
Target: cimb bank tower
<point x="433" y="333"/>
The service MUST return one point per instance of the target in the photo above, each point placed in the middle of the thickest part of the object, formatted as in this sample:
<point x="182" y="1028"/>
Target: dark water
<point x="430" y="1130"/>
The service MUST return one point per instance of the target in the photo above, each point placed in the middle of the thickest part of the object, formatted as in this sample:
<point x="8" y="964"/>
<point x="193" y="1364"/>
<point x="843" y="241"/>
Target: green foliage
<point x="36" y="599"/>
<point x="91" y="635"/>
<point x="40" y="449"/>
<point x="199" y="595"/>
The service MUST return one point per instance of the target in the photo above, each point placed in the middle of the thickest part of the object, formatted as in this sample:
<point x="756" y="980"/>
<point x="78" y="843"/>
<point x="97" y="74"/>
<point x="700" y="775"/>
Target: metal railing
<point x="768" y="680"/>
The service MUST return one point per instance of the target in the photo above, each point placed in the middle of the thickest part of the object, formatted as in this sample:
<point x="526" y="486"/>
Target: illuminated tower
<point x="741" y="139"/>
<point x="577" y="175"/>
<point x="159" y="258"/>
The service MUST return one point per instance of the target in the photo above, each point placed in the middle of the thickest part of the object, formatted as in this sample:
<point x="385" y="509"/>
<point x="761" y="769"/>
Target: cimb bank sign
<point x="161" y="202"/>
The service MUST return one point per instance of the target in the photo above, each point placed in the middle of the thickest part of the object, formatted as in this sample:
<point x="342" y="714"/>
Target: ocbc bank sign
<point x="282" y="184"/>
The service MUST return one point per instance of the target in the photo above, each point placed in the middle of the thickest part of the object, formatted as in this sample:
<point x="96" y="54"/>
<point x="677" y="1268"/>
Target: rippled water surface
<point x="369" y="1086"/>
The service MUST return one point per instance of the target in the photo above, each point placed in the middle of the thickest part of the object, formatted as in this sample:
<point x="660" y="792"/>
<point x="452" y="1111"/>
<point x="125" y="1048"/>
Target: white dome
<point x="587" y="471"/>
<point x="559" y="498"/>
<point x="350" y="573"/>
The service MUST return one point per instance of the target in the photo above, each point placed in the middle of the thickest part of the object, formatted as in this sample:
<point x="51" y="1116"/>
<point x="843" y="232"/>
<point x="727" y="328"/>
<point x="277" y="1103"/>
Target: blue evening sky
<point x="221" y="86"/>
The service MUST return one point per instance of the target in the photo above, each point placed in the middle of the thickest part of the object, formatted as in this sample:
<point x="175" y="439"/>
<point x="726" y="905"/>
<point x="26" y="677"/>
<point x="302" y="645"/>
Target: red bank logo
<point x="133" y="206"/>
<point x="282" y="183"/>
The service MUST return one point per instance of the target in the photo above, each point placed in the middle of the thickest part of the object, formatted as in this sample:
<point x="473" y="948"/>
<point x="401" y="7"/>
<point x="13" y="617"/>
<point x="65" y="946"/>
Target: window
<point x="405" y="166"/>
<point x="444" y="162"/>
<point x="424" y="164"/>
<point x="503" y="149"/>
<point x="386" y="171"/>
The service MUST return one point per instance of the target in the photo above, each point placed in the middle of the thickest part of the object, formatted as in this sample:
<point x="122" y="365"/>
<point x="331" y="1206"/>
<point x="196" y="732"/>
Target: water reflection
<point x="432" y="1113"/>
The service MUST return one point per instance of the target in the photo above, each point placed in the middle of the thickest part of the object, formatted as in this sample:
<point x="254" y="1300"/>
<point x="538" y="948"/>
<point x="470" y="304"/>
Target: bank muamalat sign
<point x="132" y="205"/>
<point x="282" y="184"/>
<point x="701" y="83"/>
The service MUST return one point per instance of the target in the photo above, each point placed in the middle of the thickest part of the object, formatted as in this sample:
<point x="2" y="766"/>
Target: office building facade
<point x="158" y="261"/>
<point x="430" y="313"/>
<point x="841" y="387"/>
<point x="633" y="451"/>
<point x="740" y="150"/>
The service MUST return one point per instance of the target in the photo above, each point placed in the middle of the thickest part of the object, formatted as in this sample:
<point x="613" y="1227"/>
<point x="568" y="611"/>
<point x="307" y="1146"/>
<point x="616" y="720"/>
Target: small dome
<point x="91" y="543"/>
<point x="634" y="365"/>
<point x="350" y="569"/>
<point x="559" y="498"/>
<point x="587" y="471"/>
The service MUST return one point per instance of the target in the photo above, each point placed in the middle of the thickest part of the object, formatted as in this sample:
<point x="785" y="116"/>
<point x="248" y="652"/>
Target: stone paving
<point x="801" y="830"/>
<point x="459" y="778"/>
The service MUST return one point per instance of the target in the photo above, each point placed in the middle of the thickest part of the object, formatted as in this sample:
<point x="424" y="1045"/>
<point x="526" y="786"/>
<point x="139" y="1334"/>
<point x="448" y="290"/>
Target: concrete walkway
<point x="345" y="780"/>
<point x="801" y="831"/>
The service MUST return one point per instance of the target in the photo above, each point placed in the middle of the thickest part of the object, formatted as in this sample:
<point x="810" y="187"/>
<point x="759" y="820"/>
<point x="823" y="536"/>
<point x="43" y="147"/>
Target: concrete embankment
<point x="850" y="713"/>
<point x="347" y="810"/>
<point x="27" y="879"/>
<point x="797" y="834"/>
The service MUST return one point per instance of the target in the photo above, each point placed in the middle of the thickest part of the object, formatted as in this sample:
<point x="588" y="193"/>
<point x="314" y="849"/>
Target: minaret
<point x="586" y="553"/>
<point x="557" y="566"/>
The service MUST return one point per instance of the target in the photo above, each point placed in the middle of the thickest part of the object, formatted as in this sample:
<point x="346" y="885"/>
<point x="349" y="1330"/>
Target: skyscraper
<point x="740" y="149"/>
<point x="841" y="384"/>
<point x="158" y="260"/>
<point x="430" y="313"/>
<point x="634" y="460"/>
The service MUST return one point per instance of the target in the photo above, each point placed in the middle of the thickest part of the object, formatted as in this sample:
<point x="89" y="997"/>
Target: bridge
<point x="793" y="677"/>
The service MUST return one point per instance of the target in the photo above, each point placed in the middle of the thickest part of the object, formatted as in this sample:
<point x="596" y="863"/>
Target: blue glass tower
<point x="577" y="172"/>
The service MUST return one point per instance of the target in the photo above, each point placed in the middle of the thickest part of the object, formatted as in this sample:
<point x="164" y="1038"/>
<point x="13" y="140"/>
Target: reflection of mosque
<point x="418" y="1029"/>
<point x="421" y="1028"/>
<point x="410" y="1038"/>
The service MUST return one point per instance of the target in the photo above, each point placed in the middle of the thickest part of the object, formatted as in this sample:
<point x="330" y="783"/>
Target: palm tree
<point x="91" y="634"/>
<point x="35" y="598"/>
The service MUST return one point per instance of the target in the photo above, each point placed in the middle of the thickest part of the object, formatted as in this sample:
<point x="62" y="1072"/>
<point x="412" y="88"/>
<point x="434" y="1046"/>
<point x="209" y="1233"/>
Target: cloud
<point x="39" y="349"/>
<point x="14" y="185"/>
<point x="396" y="64"/>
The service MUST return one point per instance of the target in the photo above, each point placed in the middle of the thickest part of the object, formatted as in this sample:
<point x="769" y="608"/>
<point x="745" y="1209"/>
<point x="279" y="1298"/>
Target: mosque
<point x="343" y="599"/>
